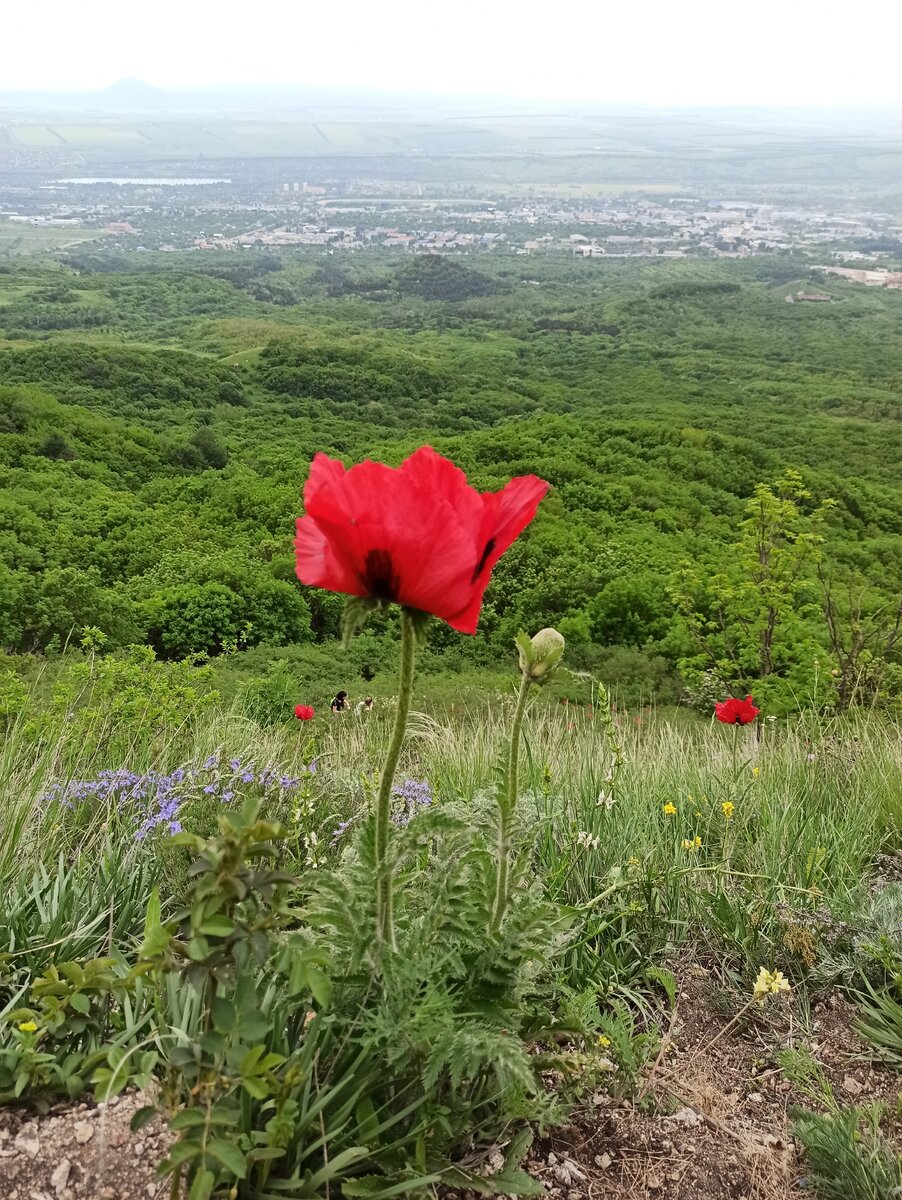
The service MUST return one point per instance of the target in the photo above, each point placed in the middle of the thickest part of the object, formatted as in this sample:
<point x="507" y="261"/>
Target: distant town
<point x="215" y="215"/>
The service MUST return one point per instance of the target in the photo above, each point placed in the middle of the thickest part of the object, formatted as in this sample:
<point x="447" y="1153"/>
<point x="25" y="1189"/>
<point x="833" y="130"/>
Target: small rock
<point x="654" y="1183"/>
<point x="107" y="1193"/>
<point x="686" y="1116"/>
<point x="27" y="1145"/>
<point x="851" y="1085"/>
<point x="603" y="1161"/>
<point x="568" y="1172"/>
<point x="60" y="1176"/>
<point x="84" y="1131"/>
<point x="138" y="1150"/>
<point x="756" y="1098"/>
<point x="552" y="1159"/>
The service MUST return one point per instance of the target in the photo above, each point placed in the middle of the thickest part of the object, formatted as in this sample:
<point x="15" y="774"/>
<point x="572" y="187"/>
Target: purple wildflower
<point x="416" y="794"/>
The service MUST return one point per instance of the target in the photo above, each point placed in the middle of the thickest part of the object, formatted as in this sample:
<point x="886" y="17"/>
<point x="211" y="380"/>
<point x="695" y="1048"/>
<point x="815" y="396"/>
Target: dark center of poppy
<point x="379" y="576"/>
<point x="489" y="547"/>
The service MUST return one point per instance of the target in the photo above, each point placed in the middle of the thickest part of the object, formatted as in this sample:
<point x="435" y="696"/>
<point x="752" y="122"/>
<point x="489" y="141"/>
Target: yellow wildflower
<point x="603" y="1041"/>
<point x="769" y="983"/>
<point x="727" y="808"/>
<point x="693" y="844"/>
<point x="669" y="809"/>
<point x="632" y="861"/>
<point x="756" y="771"/>
<point x="27" y="1027"/>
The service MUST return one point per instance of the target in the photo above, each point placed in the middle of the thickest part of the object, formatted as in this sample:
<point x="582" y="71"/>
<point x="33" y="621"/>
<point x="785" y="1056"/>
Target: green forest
<point x="726" y="504"/>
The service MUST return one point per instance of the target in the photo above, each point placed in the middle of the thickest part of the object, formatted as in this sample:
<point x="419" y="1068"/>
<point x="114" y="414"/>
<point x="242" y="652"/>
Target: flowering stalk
<point x="538" y="658"/>
<point x="384" y="917"/>
<point x="507" y="803"/>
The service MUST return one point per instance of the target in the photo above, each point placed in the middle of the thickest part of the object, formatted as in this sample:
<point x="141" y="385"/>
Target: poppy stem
<point x="508" y="802"/>
<point x="384" y="915"/>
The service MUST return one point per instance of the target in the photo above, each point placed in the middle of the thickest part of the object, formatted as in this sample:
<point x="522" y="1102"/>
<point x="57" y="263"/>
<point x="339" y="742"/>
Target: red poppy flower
<point x="303" y="712"/>
<point x="736" y="712"/>
<point x="417" y="534"/>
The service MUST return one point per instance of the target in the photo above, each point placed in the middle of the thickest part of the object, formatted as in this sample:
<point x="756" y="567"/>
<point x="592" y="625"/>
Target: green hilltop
<point x="157" y="421"/>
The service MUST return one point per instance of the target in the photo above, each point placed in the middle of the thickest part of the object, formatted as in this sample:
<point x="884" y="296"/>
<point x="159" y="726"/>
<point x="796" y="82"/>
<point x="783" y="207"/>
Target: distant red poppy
<point x="304" y="712"/>
<point x="417" y="534"/>
<point x="736" y="712"/>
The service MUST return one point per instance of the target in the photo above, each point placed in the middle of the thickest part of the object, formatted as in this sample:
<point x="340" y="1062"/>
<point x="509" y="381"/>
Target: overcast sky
<point x="658" y="51"/>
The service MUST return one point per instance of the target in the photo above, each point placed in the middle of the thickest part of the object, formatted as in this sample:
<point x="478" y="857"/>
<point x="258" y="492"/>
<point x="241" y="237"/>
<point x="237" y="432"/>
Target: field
<point x="17" y="238"/>
<point x="634" y="149"/>
<point x="651" y="856"/>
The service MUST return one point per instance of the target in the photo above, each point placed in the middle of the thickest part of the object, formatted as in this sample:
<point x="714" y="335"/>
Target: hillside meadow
<point x="559" y="928"/>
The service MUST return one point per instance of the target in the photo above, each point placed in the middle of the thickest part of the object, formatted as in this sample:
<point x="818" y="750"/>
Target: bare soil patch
<point x="85" y="1152"/>
<point x="714" y="1123"/>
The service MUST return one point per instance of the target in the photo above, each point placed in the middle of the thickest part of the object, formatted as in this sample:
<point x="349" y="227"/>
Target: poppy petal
<point x="418" y="535"/>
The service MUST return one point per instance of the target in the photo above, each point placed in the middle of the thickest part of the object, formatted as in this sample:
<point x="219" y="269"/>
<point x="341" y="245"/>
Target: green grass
<point x="639" y="842"/>
<point x="813" y="805"/>
<point x="21" y="239"/>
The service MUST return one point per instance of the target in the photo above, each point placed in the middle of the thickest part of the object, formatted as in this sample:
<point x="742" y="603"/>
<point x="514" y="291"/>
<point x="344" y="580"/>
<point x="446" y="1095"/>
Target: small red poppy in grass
<point x="417" y="534"/>
<point x="736" y="712"/>
<point x="304" y="712"/>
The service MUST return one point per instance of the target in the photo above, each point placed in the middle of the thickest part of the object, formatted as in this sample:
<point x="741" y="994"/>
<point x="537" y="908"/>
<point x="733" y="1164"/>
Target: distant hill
<point x="126" y="95"/>
<point x="131" y="93"/>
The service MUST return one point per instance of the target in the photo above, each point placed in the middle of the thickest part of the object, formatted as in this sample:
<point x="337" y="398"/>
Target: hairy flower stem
<point x="384" y="918"/>
<point x="507" y="804"/>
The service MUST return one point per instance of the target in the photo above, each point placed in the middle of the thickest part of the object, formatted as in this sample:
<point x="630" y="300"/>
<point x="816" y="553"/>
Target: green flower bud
<point x="541" y="654"/>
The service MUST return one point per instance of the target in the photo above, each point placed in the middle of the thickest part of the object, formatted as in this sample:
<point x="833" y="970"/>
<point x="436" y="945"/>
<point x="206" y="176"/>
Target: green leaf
<point x="666" y="979"/>
<point x="519" y="1144"/>
<point x="184" y="1151"/>
<point x="142" y="1118"/>
<point x="256" y="1087"/>
<point x="336" y="1165"/>
<point x="188" y="1118"/>
<point x="513" y="1182"/>
<point x="225" y="1017"/>
<point x="376" y="1187"/>
<point x="202" y="1188"/>
<point x="229" y="1155"/>
<point x="367" y="1122"/>
<point x="198" y="948"/>
<point x="80" y="1002"/>
<point x="320" y="986"/>
<point x="249" y="1062"/>
<point x="217" y="927"/>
